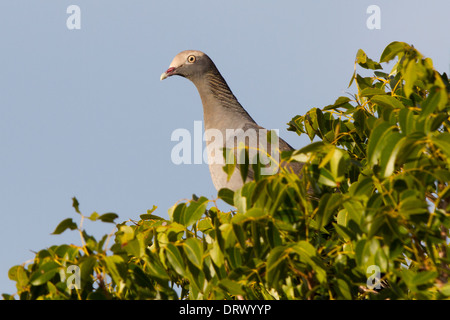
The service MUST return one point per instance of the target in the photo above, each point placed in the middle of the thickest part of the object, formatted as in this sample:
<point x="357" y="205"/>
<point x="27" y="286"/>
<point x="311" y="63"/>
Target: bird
<point x="222" y="113"/>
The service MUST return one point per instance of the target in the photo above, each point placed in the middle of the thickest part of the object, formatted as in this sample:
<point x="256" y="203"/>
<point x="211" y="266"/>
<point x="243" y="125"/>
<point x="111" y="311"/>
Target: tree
<point x="367" y="219"/>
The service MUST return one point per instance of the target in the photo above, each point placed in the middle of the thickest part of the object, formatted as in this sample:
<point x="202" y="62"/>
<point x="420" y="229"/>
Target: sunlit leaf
<point x="392" y="50"/>
<point x="64" y="225"/>
<point x="194" y="251"/>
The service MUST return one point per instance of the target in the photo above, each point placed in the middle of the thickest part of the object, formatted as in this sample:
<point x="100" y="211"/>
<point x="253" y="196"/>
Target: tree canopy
<point x="368" y="218"/>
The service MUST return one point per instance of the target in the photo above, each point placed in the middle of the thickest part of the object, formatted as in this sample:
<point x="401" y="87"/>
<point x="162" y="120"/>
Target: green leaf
<point x="327" y="178"/>
<point x="234" y="257"/>
<point x="44" y="273"/>
<point x="341" y="102"/>
<point x="361" y="189"/>
<point x="176" y="212"/>
<point x="65" y="251"/>
<point x="156" y="270"/>
<point x="125" y="234"/>
<point x="175" y="259"/>
<point x="431" y="102"/>
<point x="76" y="205"/>
<point x="276" y="264"/>
<point x="296" y="125"/>
<point x="117" y="268"/>
<point x="232" y="287"/>
<point x="65" y="224"/>
<point x="410" y="77"/>
<point x="393" y="142"/>
<point x="308" y="254"/>
<point x="445" y="290"/>
<point x="238" y="229"/>
<point x="354" y="212"/>
<point x="392" y="50"/>
<point x="352" y="79"/>
<point x="407" y="121"/>
<point x="343" y="289"/>
<point x="368" y="92"/>
<point x="365" y="62"/>
<point x="273" y="235"/>
<point x="18" y="274"/>
<point x="311" y="122"/>
<point x="133" y="248"/>
<point x="140" y="278"/>
<point x="442" y="141"/>
<point x="240" y="201"/>
<point x="230" y="163"/>
<point x="255" y="213"/>
<point x="376" y="141"/>
<point x="387" y="101"/>
<point x="361" y="257"/>
<point x="226" y="195"/>
<point x="243" y="163"/>
<point x="327" y="207"/>
<point x="411" y="206"/>
<point x="314" y="147"/>
<point x="86" y="269"/>
<point x="194" y="251"/>
<point x="216" y="254"/>
<point x="147" y="216"/>
<point x="195" y="210"/>
<point x="344" y="232"/>
<point x="93" y="216"/>
<point x="108" y="217"/>
<point x="424" y="277"/>
<point x="339" y="164"/>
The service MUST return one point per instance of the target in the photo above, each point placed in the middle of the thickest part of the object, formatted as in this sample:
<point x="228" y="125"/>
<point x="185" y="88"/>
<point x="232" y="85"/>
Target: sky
<point x="83" y="113"/>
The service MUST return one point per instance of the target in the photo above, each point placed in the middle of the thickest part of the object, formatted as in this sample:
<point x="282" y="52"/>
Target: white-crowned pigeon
<point x="222" y="114"/>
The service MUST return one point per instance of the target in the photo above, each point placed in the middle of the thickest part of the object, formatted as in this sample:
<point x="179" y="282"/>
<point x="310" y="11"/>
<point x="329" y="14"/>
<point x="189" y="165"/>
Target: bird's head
<point x="189" y="64"/>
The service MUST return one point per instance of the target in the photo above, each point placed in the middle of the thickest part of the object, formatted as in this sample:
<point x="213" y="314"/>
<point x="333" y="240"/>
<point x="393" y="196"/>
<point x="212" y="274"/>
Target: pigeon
<point x="228" y="125"/>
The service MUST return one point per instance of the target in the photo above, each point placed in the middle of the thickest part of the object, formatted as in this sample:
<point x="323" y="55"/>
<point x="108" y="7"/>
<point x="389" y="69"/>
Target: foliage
<point x="374" y="192"/>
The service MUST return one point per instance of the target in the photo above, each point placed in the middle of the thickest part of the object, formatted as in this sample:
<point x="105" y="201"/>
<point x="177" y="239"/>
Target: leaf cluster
<point x="373" y="191"/>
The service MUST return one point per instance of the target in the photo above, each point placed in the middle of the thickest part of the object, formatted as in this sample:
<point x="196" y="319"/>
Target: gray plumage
<point x="221" y="109"/>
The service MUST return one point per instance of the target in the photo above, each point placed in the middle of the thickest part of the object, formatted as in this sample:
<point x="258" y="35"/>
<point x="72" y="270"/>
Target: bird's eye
<point x="191" y="59"/>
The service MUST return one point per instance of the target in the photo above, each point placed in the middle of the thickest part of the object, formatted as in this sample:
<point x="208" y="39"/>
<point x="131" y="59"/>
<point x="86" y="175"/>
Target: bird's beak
<point x="168" y="73"/>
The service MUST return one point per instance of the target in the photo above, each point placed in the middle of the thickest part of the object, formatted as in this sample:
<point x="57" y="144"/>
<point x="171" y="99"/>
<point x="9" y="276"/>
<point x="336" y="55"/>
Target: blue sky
<point x="83" y="112"/>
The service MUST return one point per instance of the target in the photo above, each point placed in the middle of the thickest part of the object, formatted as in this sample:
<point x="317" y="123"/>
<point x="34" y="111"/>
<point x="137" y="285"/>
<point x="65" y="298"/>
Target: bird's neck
<point x="221" y="109"/>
